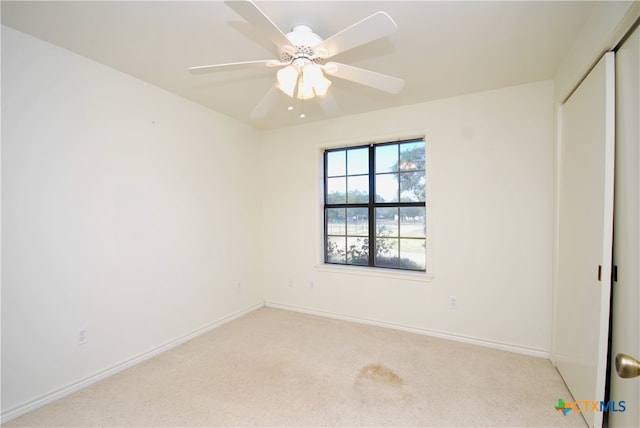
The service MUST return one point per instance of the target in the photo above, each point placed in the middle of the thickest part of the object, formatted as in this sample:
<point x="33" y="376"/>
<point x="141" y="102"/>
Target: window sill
<point x="375" y="272"/>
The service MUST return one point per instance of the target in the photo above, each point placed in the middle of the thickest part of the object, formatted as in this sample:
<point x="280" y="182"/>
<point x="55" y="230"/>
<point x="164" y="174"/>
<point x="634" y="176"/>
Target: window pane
<point x="412" y="156"/>
<point x="336" y="221"/>
<point x="381" y="192"/>
<point x="412" y="254"/>
<point x="357" y="251"/>
<point x="358" y="189"/>
<point x="336" y="163"/>
<point x="358" y="222"/>
<point x="386" y="222"/>
<point x="336" y="190"/>
<point x="387" y="252"/>
<point x="412" y="222"/>
<point x="358" y="161"/>
<point x="387" y="158"/>
<point x="336" y="250"/>
<point x="387" y="188"/>
<point x="412" y="187"/>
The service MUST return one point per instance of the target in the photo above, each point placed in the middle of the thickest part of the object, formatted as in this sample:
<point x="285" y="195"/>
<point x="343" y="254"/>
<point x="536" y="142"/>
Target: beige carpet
<point x="279" y="368"/>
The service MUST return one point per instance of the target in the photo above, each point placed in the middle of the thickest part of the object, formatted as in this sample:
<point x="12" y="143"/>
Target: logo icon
<point x="563" y="407"/>
<point x="582" y="406"/>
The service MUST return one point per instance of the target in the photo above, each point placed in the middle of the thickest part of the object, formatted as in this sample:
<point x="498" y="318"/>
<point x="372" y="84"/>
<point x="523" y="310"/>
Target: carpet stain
<point x="377" y="385"/>
<point x="379" y="374"/>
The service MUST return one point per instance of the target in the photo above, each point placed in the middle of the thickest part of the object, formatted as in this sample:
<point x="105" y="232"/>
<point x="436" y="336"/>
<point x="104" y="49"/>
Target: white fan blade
<point x="369" y="29"/>
<point x="203" y="69"/>
<point x="266" y="104"/>
<point x="328" y="105"/>
<point x="370" y="78"/>
<point x="250" y="12"/>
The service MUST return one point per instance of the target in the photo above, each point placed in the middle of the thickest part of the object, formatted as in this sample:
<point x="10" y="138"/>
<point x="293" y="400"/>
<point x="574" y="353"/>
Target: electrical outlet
<point x="453" y="302"/>
<point x="312" y="284"/>
<point x="81" y="336"/>
<point x="238" y="287"/>
<point x="290" y="282"/>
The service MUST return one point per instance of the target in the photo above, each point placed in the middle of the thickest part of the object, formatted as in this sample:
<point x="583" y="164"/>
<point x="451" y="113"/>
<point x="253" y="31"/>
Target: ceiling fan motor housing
<point x="304" y="40"/>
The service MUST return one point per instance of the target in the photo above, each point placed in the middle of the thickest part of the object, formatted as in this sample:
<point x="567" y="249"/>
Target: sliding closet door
<point x="626" y="249"/>
<point x="584" y="236"/>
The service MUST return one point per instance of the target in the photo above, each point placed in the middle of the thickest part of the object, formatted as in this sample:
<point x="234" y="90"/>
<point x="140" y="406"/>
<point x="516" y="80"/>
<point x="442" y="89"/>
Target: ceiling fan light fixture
<point x="309" y="79"/>
<point x="305" y="92"/>
<point x="288" y="79"/>
<point x="330" y="67"/>
<point x="314" y="81"/>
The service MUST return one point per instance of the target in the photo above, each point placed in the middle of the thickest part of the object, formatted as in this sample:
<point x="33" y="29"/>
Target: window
<point x="374" y="205"/>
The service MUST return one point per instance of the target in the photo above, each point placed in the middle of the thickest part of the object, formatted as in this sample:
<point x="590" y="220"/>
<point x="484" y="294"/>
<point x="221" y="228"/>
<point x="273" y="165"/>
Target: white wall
<point x="491" y="160"/>
<point x="126" y="210"/>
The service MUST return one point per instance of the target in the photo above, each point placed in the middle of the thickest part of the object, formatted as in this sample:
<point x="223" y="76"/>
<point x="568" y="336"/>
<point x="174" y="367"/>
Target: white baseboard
<point x="30" y="406"/>
<point x="540" y="353"/>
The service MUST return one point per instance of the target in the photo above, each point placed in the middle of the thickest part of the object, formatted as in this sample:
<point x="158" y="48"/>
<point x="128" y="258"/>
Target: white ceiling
<point x="441" y="49"/>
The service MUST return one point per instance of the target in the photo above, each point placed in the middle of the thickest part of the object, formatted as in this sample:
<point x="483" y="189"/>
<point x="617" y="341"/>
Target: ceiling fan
<point x="301" y="59"/>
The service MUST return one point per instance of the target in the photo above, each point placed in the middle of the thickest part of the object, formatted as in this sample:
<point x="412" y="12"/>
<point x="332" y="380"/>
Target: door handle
<point x="627" y="366"/>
